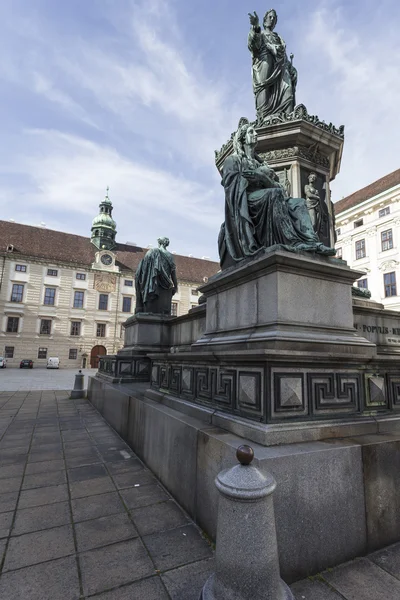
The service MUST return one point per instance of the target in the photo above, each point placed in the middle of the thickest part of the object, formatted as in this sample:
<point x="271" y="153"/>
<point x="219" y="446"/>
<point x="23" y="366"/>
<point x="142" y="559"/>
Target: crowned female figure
<point x="258" y="212"/>
<point x="274" y="77"/>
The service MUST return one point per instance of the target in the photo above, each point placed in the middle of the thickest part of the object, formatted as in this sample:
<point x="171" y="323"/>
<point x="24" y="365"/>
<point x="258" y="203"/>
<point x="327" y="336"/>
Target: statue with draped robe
<point x="274" y="76"/>
<point x="155" y="280"/>
<point x="258" y="212"/>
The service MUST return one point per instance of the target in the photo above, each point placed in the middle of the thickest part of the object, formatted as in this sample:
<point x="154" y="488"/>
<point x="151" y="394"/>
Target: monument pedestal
<point x="144" y="333"/>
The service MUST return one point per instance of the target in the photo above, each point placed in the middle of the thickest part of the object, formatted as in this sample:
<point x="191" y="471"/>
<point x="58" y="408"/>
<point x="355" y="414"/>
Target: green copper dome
<point x="104" y="228"/>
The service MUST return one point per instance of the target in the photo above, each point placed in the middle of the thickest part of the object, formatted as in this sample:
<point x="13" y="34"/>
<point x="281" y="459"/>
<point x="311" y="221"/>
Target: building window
<point x="17" y="292"/>
<point x="9" y="352"/>
<point x="360" y="249"/>
<point x="389" y="280"/>
<point x="194" y="292"/>
<point x="73" y="353"/>
<point x="358" y="223"/>
<point x="384" y="211"/>
<point x="103" y="301"/>
<point x="49" y="296"/>
<point x="386" y="240"/>
<point x="12" y="324"/>
<point x="52" y="272"/>
<point x="42" y="353"/>
<point x="337" y="231"/>
<point x="174" y="309"/>
<point x="81" y="276"/>
<point x="78" y="299"/>
<point x="75" y="328"/>
<point x="363" y="283"/>
<point x="129" y="282"/>
<point x="45" y="326"/>
<point x="21" y="268"/>
<point x="339" y="253"/>
<point x="101" y="330"/>
<point x="126" y="304"/>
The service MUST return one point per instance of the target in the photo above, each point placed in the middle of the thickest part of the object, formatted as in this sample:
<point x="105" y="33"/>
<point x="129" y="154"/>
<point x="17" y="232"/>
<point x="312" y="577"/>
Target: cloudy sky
<point x="137" y="95"/>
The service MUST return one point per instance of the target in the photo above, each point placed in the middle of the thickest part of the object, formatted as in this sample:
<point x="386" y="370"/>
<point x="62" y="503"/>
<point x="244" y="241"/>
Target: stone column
<point x="247" y="563"/>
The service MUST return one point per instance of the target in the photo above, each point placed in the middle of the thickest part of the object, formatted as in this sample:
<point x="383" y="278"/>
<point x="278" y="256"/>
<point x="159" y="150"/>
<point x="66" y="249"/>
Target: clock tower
<point x="104" y="228"/>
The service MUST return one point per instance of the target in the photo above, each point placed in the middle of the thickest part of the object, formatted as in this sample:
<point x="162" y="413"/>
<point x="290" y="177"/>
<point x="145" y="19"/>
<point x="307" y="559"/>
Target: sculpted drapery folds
<point x="258" y="213"/>
<point x="155" y="280"/>
<point x="274" y="77"/>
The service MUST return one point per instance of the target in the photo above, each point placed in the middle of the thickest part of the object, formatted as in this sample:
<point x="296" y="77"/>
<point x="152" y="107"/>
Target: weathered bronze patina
<point x="274" y="76"/>
<point x="258" y="212"/>
<point x="155" y="280"/>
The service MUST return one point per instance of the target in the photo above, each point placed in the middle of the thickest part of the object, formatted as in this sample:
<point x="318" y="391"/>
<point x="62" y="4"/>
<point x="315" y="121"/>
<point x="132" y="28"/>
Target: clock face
<point x="106" y="259"/>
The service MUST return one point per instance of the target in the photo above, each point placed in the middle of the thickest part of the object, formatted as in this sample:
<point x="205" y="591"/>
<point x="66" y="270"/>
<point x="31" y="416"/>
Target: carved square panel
<point x="394" y="391"/>
<point x="125" y="367"/>
<point x="250" y="394"/>
<point x="155" y="375"/>
<point x="164" y="376"/>
<point x="142" y="367"/>
<point x="376" y="391"/>
<point x="289" y="397"/>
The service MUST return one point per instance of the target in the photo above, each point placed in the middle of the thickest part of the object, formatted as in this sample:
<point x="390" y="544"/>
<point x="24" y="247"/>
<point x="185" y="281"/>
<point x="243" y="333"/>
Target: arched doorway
<point x="96" y="352"/>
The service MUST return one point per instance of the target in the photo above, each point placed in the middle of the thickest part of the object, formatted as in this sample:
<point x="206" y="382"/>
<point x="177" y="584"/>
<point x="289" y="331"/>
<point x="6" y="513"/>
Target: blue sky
<point x="138" y="94"/>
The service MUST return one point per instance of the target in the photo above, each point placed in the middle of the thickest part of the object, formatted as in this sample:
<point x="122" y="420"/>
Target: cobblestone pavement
<point x="40" y="378"/>
<point x="81" y="517"/>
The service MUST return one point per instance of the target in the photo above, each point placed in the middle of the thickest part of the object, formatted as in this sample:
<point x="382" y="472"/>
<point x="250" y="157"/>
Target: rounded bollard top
<point x="245" y="454"/>
<point x="244" y="482"/>
<point x="80" y="371"/>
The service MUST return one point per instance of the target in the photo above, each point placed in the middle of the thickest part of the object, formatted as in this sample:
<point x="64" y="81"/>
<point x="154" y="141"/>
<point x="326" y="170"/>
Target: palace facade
<point x="68" y="296"/>
<point x="368" y="237"/>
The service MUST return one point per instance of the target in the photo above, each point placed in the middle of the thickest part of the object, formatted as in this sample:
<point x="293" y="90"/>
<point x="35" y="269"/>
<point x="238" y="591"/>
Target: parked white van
<point x="53" y="362"/>
<point x="3" y="362"/>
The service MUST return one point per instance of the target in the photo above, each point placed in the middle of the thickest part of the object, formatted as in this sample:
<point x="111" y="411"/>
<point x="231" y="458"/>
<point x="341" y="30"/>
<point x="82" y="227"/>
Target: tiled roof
<point x="56" y="246"/>
<point x="371" y="190"/>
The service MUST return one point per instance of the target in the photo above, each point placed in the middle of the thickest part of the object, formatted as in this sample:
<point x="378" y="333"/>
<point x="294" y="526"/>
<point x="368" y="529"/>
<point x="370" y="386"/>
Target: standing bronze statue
<point x="313" y="201"/>
<point x="258" y="212"/>
<point x="155" y="280"/>
<point x="274" y="77"/>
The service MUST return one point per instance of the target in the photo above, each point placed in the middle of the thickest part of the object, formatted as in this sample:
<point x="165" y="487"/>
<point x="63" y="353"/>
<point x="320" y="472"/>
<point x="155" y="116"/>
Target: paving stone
<point x="158" y="517"/>
<point x="143" y="496"/>
<point x="41" y="517"/>
<point x="44" y="495"/>
<point x="149" y="589"/>
<point x="91" y="487"/>
<point x="41" y="456"/>
<point x="19" y="459"/>
<point x="44" y="479"/>
<point x="11" y="452"/>
<point x="47" y="466"/>
<point x="2" y="548"/>
<point x="388" y="559"/>
<point x="5" y="524"/>
<point x="314" y="590"/>
<point x="87" y="472"/>
<point x="96" y="506"/>
<point x="81" y="461"/>
<point x="10" y="485"/>
<point x="11" y="471"/>
<point x="132" y="478"/>
<point x="115" y="456"/>
<point x="103" y="531"/>
<point x="41" y="546"/>
<point x="8" y="501"/>
<point x="177" y="547"/>
<point x="124" y="467"/>
<point x="55" y="580"/>
<point x="361" y="578"/>
<point x="112" y="566"/>
<point x="187" y="582"/>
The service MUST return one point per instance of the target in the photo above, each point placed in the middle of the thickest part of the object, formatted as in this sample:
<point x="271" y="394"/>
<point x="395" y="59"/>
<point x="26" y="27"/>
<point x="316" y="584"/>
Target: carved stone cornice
<point x="388" y="264"/>
<point x="310" y="153"/>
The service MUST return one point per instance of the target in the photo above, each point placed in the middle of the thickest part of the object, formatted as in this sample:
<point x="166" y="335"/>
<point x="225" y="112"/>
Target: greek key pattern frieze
<point x="330" y="392"/>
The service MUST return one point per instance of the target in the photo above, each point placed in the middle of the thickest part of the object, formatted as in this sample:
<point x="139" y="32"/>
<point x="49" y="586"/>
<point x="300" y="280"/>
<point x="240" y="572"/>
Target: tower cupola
<point x="104" y="228"/>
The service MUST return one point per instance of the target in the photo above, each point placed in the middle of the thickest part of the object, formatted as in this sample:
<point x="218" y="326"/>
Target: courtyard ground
<point x="81" y="517"/>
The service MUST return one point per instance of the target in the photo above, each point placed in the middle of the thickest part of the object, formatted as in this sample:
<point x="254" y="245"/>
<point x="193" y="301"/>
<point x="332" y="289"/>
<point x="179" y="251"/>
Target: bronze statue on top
<point x="155" y="280"/>
<point x="258" y="212"/>
<point x="274" y="76"/>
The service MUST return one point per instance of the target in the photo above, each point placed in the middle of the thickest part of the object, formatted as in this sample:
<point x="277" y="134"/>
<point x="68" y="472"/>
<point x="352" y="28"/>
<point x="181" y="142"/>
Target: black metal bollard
<point x="79" y="391"/>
